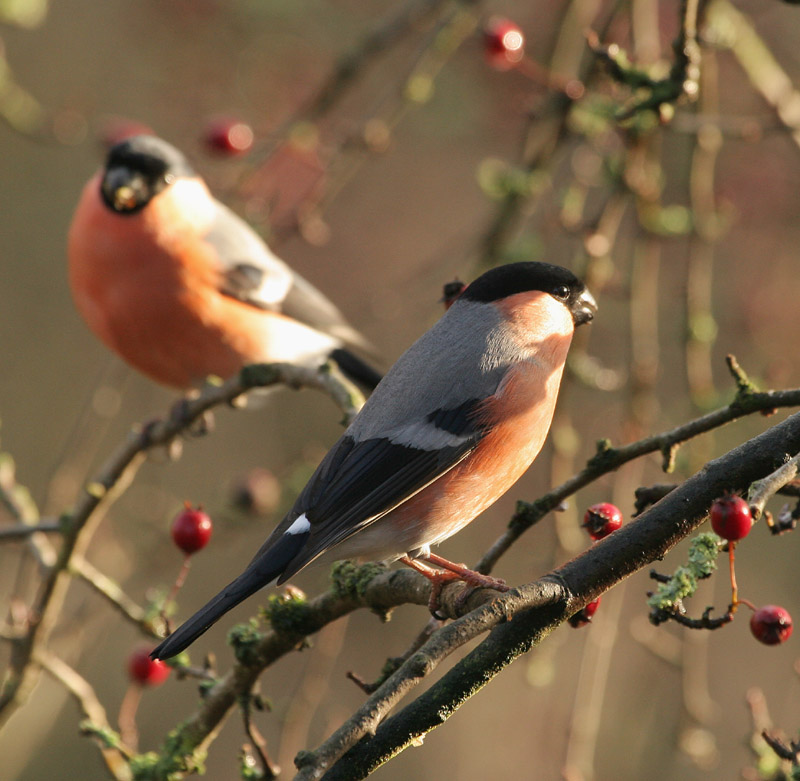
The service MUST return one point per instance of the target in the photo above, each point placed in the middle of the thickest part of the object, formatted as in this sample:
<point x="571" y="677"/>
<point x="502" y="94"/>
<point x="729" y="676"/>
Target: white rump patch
<point x="300" y="526"/>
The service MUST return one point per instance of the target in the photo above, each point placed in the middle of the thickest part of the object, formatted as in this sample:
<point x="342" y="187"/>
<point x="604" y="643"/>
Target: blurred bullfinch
<point x="453" y="424"/>
<point x="181" y="288"/>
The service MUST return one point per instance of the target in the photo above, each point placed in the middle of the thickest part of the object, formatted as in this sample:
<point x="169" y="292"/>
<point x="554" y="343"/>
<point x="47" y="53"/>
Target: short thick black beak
<point x="584" y="309"/>
<point x="124" y="191"/>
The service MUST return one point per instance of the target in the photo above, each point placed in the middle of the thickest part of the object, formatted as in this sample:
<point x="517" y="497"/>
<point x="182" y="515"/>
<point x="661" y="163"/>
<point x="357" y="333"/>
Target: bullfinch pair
<point x="181" y="288"/>
<point x="451" y="427"/>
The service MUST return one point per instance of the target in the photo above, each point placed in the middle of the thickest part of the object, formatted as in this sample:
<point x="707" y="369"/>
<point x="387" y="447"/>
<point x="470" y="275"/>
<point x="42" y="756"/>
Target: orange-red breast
<point x="181" y="288"/>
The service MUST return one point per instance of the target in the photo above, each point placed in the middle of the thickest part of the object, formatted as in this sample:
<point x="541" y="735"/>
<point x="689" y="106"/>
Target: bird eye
<point x="561" y="292"/>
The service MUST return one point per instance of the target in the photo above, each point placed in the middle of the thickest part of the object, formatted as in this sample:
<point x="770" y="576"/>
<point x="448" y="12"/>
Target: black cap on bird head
<point x="512" y="278"/>
<point x="137" y="169"/>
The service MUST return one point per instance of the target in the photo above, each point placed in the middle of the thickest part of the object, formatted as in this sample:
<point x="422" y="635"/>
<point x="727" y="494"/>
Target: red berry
<point x="191" y="529"/>
<point x="602" y="519"/>
<point x="146" y="671"/>
<point x="730" y="517"/>
<point x="771" y="625"/>
<point x="503" y="43"/>
<point x="583" y="617"/>
<point x="228" y="137"/>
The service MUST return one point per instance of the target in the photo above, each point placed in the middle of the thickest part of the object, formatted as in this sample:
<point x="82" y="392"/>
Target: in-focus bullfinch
<point x="181" y="288"/>
<point x="450" y="428"/>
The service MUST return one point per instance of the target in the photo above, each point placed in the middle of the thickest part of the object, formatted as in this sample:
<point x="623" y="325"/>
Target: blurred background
<point x="430" y="157"/>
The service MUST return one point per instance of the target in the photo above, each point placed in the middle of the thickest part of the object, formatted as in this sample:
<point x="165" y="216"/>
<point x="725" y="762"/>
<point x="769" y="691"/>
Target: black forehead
<point x="149" y="155"/>
<point x="518" y="278"/>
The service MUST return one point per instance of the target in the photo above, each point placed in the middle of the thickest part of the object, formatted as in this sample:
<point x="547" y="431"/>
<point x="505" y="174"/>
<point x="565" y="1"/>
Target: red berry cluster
<point x="732" y="520"/>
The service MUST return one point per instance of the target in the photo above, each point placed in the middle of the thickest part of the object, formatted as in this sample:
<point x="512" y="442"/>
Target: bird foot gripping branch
<point x="450" y="572"/>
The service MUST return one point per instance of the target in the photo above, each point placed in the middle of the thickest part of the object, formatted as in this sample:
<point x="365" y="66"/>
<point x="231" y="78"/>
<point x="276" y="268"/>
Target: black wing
<point x="359" y="482"/>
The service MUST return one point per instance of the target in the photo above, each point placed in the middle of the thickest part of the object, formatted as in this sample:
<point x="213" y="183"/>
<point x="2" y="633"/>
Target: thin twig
<point x="704" y="622"/>
<point x="20" y="504"/>
<point x="762" y="491"/>
<point x="21" y="531"/>
<point x="315" y="684"/>
<point x="269" y="769"/>
<point x="126" y="718"/>
<point x="111" y="591"/>
<point x="394" y="662"/>
<point x="115" y="476"/>
<point x="789" y="753"/>
<point x="766" y="74"/>
<point x="608" y="459"/>
<point x="115" y="757"/>
<point x="684" y="74"/>
<point x="546" y="129"/>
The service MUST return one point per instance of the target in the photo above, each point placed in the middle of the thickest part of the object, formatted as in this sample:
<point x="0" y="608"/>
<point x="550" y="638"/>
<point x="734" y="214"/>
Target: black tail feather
<point x="261" y="571"/>
<point x="357" y="370"/>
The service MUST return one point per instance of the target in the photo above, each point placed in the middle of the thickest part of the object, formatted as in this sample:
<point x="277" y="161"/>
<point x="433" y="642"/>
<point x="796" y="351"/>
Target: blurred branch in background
<point x="443" y="27"/>
<point x="116" y="756"/>
<point x="18" y="107"/>
<point x="730" y="28"/>
<point x="111" y="481"/>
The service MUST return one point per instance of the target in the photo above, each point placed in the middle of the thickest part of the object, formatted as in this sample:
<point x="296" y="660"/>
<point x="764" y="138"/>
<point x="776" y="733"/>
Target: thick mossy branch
<point x="351" y="580"/>
<point x="364" y="743"/>
<point x="702" y="561"/>
<point x="175" y="761"/>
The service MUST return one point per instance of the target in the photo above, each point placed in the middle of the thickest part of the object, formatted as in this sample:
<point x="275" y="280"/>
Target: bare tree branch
<point x="21" y="531"/>
<point x="111" y="591"/>
<point x="608" y="459"/>
<point x="115" y="756"/>
<point x="570" y="587"/>
<point x="762" y="491"/>
<point x="115" y="476"/>
<point x="382" y="591"/>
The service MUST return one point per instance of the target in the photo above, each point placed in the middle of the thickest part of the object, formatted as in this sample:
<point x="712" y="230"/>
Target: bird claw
<point x="438" y="581"/>
<point x="469" y="589"/>
<point x="450" y="572"/>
